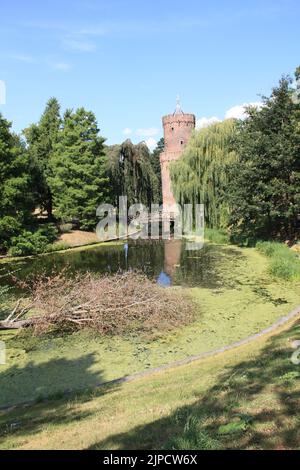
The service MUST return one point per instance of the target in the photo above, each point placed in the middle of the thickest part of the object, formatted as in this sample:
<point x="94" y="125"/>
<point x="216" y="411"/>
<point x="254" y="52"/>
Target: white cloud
<point x="126" y="131"/>
<point x="239" y="112"/>
<point x="78" y="45"/>
<point x="149" y="132"/>
<point x="204" y="121"/>
<point x="60" y="66"/>
<point x="23" y="58"/>
<point x="151" y="143"/>
<point x="50" y="62"/>
<point x="93" y="31"/>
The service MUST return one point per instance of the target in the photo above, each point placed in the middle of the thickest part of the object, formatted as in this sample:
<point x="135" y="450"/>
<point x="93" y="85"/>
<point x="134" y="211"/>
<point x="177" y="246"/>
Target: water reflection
<point x="164" y="280"/>
<point x="126" y="255"/>
<point x="166" y="261"/>
<point x="172" y="257"/>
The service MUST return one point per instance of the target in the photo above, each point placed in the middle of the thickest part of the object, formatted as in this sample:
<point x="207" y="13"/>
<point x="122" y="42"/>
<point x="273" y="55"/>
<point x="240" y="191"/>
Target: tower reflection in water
<point x="172" y="255"/>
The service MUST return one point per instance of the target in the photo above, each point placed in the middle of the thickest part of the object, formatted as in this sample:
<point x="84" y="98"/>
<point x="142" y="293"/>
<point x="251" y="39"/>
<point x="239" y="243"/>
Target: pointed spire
<point x="178" y="109"/>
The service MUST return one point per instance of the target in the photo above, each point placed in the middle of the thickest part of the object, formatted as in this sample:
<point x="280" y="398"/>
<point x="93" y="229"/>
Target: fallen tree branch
<point x="14" y="325"/>
<point x="109" y="304"/>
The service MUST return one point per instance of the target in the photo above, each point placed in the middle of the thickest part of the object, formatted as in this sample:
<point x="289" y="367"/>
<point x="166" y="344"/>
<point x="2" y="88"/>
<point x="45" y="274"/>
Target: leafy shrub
<point x="9" y="227"/>
<point x="31" y="243"/>
<point x="65" y="227"/>
<point x="59" y="246"/>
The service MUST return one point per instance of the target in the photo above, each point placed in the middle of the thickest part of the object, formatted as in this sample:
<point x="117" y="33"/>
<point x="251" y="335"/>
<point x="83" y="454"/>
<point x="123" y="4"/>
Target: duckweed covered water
<point x="235" y="297"/>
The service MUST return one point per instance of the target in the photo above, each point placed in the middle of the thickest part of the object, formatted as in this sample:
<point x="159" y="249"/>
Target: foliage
<point x="65" y="228"/>
<point x="284" y="262"/>
<point x="133" y="173"/>
<point x="199" y="176"/>
<point x="58" y="246"/>
<point x="78" y="180"/>
<point x="155" y="163"/>
<point x="218" y="236"/>
<point x="33" y="242"/>
<point x="263" y="189"/>
<point x="41" y="139"/>
<point x="16" y="199"/>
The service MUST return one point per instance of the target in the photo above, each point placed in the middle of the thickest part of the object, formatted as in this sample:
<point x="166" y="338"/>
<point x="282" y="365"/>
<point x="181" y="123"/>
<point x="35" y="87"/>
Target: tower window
<point x="181" y="142"/>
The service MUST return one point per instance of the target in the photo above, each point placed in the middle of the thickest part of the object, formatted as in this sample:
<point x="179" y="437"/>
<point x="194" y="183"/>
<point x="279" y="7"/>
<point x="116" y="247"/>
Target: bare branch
<point x="109" y="304"/>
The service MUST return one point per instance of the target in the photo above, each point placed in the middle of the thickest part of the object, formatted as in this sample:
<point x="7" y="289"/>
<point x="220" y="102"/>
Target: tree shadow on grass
<point x="254" y="404"/>
<point x="35" y="381"/>
<point x="56" y="402"/>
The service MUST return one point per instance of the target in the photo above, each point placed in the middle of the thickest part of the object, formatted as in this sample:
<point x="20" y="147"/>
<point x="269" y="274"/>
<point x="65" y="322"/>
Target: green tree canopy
<point x="41" y="139"/>
<point x="155" y="162"/>
<point x="16" y="198"/>
<point x="199" y="175"/>
<point x="78" y="180"/>
<point x="263" y="190"/>
<point x="133" y="174"/>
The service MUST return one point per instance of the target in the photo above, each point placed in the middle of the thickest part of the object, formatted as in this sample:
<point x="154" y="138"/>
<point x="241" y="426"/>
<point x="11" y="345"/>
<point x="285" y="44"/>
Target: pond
<point x="166" y="261"/>
<point x="233" y="294"/>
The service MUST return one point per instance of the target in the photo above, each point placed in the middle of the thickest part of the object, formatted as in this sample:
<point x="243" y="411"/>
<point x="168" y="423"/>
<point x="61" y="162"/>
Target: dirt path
<point x="78" y="237"/>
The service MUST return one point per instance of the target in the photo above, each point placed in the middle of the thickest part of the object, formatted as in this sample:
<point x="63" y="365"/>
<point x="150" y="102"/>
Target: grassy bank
<point x="217" y="236"/>
<point x="247" y="398"/>
<point x="60" y="249"/>
<point x="284" y="263"/>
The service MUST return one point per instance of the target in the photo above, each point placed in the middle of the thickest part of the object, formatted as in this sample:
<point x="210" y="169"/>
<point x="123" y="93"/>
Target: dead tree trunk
<point x="15" y="319"/>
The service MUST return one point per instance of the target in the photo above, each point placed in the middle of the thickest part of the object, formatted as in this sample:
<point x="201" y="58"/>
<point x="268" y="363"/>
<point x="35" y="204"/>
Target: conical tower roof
<point x="178" y="109"/>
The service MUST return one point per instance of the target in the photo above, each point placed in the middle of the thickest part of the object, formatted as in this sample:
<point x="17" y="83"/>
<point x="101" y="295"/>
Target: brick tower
<point x="177" y="130"/>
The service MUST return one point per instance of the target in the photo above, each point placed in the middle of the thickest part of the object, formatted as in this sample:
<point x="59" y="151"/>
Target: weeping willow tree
<point x="132" y="173"/>
<point x="199" y="176"/>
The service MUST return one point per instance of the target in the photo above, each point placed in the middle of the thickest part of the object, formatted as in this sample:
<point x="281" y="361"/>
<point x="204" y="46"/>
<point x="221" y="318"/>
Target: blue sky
<point x="127" y="60"/>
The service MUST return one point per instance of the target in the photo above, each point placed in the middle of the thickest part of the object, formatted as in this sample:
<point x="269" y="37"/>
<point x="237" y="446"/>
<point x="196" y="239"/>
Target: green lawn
<point x="243" y="301"/>
<point x="246" y="398"/>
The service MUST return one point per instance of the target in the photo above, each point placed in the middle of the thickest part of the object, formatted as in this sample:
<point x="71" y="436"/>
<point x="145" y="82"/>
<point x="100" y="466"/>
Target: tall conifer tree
<point x="78" y="180"/>
<point x="41" y="139"/>
<point x="16" y="198"/>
